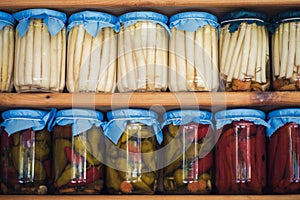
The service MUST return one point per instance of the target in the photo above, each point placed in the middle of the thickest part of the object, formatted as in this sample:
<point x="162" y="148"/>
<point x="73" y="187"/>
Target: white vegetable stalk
<point x="59" y="58"/>
<point x="189" y="42"/>
<point x="5" y="52"/>
<point x="54" y="66"/>
<point x="291" y="50"/>
<point x="165" y="60"/>
<point x="37" y="49"/>
<point x="225" y="47"/>
<point x="208" y="56"/>
<point x="70" y="61"/>
<point x="111" y="71"/>
<point x="172" y="62"/>
<point x="298" y="45"/>
<point x="199" y="60"/>
<point x="22" y="59"/>
<point x="104" y="61"/>
<point x="78" y="56"/>
<point x="215" y="70"/>
<point x="9" y="84"/>
<point x="253" y="51"/>
<point x="229" y="55"/>
<point x="260" y="54"/>
<point x="151" y="40"/>
<point x="245" y="53"/>
<point x="16" y="61"/>
<point x="159" y="52"/>
<point x="46" y="57"/>
<point x="122" y="79"/>
<point x="28" y="71"/>
<point x="63" y="61"/>
<point x="140" y="55"/>
<point x="276" y="55"/>
<point x="238" y="65"/>
<point x="180" y="60"/>
<point x="284" y="50"/>
<point x="264" y="55"/>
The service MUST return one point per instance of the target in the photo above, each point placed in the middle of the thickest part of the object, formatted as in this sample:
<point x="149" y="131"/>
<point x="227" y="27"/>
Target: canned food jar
<point x="92" y="52"/>
<point x="25" y="152"/>
<point x="188" y="160"/>
<point x="193" y="53"/>
<point x="284" y="151"/>
<point x="78" y="152"/>
<point x="286" y="51"/>
<point x="240" y="152"/>
<point x="133" y="136"/>
<point x="40" y="51"/>
<point x="244" y="51"/>
<point x="7" y="51"/>
<point x="143" y="52"/>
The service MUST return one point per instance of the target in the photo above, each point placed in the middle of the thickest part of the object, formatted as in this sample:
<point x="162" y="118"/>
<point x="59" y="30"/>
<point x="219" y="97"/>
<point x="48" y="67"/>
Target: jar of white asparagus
<point x="7" y="37"/>
<point x="193" y="53"/>
<point x="92" y="52"/>
<point x="40" y="51"/>
<point x="244" y="51"/>
<point x="143" y="52"/>
<point x="286" y="51"/>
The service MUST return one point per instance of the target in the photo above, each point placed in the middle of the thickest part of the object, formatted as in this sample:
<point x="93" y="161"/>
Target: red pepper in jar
<point x="47" y="166"/>
<point x="91" y="175"/>
<point x="73" y="157"/>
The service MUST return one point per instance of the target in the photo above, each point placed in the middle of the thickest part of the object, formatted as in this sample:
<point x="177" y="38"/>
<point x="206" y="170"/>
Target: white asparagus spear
<point x="276" y="55"/>
<point x="245" y="53"/>
<point x="11" y="43"/>
<point x="207" y="56"/>
<point x="189" y="45"/>
<point x="78" y="56"/>
<point x="298" y="45"/>
<point x="260" y="54"/>
<point x="215" y="69"/>
<point x="53" y="61"/>
<point x="70" y="61"/>
<point x="159" y="57"/>
<point x="165" y="60"/>
<point x="140" y="57"/>
<point x="229" y="55"/>
<point x="5" y="52"/>
<point x="29" y="55"/>
<point x="85" y="62"/>
<point x="46" y="56"/>
<point x="111" y="71"/>
<point x="221" y="41"/>
<point x="180" y="60"/>
<point x="238" y="65"/>
<point x="58" y="61"/>
<point x="264" y="55"/>
<point x="172" y="63"/>
<point x="280" y="41"/>
<point x="291" y="50"/>
<point x="63" y="60"/>
<point x="121" y="70"/>
<point x="284" y="50"/>
<point x="151" y="40"/>
<point x="253" y="51"/>
<point x="16" y="60"/>
<point x="21" y="62"/>
<point x="225" y="37"/>
<point x="37" y="49"/>
<point x="199" y="60"/>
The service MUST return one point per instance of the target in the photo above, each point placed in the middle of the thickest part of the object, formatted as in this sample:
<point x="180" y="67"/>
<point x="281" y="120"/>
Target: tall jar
<point x="7" y="51"/>
<point x="193" y="52"/>
<point x="188" y="159"/>
<point x="40" y="54"/>
<point x="240" y="154"/>
<point x="284" y="151"/>
<point x="78" y="149"/>
<point x="25" y="152"/>
<point x="92" y="52"/>
<point x="244" y="51"/>
<point x="133" y="136"/>
<point x="143" y="52"/>
<point x="286" y="51"/>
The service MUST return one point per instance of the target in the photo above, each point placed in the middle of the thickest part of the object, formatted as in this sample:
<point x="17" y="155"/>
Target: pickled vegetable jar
<point x="244" y="51"/>
<point x="133" y="137"/>
<point x="7" y="51"/>
<point x="193" y="53"/>
<point x="78" y="152"/>
<point x="25" y="152"/>
<point x="286" y="51"/>
<point x="284" y="151"/>
<point x="143" y="52"/>
<point x="240" y="152"/>
<point x="40" y="51"/>
<point x="188" y="143"/>
<point x="92" y="52"/>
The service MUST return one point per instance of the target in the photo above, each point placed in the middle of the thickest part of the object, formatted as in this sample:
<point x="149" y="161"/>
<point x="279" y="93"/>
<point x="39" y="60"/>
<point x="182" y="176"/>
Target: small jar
<point x="188" y="143"/>
<point x="284" y="151"/>
<point x="193" y="52"/>
<point x="78" y="152"/>
<point x="244" y="51"/>
<point x="133" y="137"/>
<point x="7" y="51"/>
<point x="143" y="52"/>
<point x="25" y="152"/>
<point x="240" y="154"/>
<point x="92" y="51"/>
<point x="40" y="51"/>
<point x="286" y="51"/>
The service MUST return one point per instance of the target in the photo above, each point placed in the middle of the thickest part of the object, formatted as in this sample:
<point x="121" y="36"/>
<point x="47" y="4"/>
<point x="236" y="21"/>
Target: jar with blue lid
<point x="284" y="151"/>
<point x="25" y="152"/>
<point x="286" y="51"/>
<point x="7" y="51"/>
<point x="143" y="52"/>
<point x="132" y="139"/>
<point x="40" y="51"/>
<point x="240" y="152"/>
<point x="92" y="51"/>
<point x="244" y="51"/>
<point x="188" y="158"/>
<point x="193" y="53"/>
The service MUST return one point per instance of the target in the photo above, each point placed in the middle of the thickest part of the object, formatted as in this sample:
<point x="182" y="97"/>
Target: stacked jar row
<point x="75" y="152"/>
<point x="145" y="51"/>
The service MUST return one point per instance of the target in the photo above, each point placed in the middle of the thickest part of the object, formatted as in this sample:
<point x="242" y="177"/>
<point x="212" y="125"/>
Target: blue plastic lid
<point x="6" y="19"/>
<point x="54" y="20"/>
<point x="131" y="113"/>
<point x="205" y="115"/>
<point x="93" y="21"/>
<point x="191" y="21"/>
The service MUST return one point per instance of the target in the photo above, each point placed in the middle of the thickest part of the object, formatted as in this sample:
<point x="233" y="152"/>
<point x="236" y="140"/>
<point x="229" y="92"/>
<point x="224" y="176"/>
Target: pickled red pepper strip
<point x="91" y="175"/>
<point x="272" y="147"/>
<point x="205" y="163"/>
<point x="260" y="155"/>
<point x="73" y="157"/>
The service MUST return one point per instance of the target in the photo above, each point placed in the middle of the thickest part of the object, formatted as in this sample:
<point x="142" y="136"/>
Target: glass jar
<point x="240" y="154"/>
<point x="244" y="51"/>
<point x="40" y="51"/>
<point x="133" y="136"/>
<point x="92" y="51"/>
<point x="286" y="51"/>
<point x="78" y="152"/>
<point x="188" y="159"/>
<point x="143" y="52"/>
<point x="25" y="152"/>
<point x="7" y="51"/>
<point x="284" y="151"/>
<point x="193" y="53"/>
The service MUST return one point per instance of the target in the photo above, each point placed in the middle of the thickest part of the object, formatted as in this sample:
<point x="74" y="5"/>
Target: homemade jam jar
<point x="240" y="153"/>
<point x="188" y="159"/>
<point x="133" y="136"/>
<point x="284" y="151"/>
<point x="25" y="152"/>
<point x="78" y="149"/>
